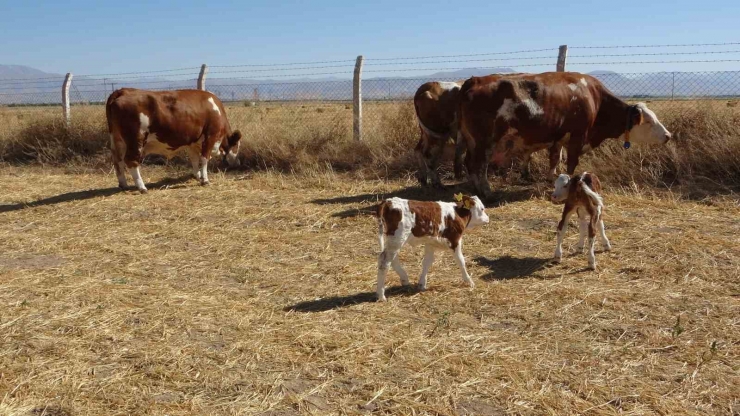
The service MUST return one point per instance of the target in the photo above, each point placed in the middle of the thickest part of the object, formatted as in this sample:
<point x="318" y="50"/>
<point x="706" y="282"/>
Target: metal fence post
<point x="202" y="77"/>
<point x="65" y="98"/>
<point x="357" y="98"/>
<point x="562" y="56"/>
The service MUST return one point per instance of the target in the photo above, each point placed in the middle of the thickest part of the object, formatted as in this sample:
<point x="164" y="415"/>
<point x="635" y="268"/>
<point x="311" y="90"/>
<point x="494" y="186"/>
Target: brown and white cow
<point x="144" y="122"/>
<point x="436" y="104"/>
<point x="538" y="111"/>
<point x="580" y="194"/>
<point x="436" y="225"/>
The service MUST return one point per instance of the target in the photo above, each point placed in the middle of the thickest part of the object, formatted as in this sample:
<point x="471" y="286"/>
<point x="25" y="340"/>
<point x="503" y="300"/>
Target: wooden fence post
<point x="357" y="99"/>
<point x="65" y="98"/>
<point x="562" y="56"/>
<point x="202" y="77"/>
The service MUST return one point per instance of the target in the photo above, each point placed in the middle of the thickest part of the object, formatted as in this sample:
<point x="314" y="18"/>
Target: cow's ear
<point x="468" y="203"/>
<point x="634" y="117"/>
<point x="458" y="197"/>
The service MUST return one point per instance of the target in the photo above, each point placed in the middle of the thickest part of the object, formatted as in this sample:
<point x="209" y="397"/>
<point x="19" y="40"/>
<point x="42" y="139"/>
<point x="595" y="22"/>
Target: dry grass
<point x="253" y="296"/>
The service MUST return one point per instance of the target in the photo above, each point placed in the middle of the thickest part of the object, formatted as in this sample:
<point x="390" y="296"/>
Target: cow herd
<point x="491" y="119"/>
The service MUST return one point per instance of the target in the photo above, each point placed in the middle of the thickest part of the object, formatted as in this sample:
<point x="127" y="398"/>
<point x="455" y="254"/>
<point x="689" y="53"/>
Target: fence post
<point x="202" y="77"/>
<point x="562" y="56"/>
<point x="65" y="98"/>
<point x="357" y="98"/>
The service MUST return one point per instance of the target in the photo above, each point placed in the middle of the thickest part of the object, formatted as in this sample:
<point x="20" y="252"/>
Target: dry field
<point x="255" y="296"/>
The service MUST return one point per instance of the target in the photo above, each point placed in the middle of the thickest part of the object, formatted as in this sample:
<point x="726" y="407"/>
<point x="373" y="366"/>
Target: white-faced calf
<point x="580" y="194"/>
<point x="436" y="225"/>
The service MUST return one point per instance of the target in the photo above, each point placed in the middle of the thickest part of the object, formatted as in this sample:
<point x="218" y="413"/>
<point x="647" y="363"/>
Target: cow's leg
<point x="195" y="161"/>
<point x="425" y="265"/>
<point x="396" y="263"/>
<point x="420" y="151"/>
<point x="460" y="260"/>
<point x="582" y="228"/>
<point x="385" y="259"/>
<point x="575" y="145"/>
<point x="556" y="155"/>
<point x="562" y="226"/>
<point x="117" y="154"/>
<point x="459" y="163"/>
<point x="591" y="235"/>
<point x="526" y="161"/>
<point x="136" y="174"/>
<point x="204" y="171"/>
<point x="602" y="232"/>
<point x="478" y="172"/>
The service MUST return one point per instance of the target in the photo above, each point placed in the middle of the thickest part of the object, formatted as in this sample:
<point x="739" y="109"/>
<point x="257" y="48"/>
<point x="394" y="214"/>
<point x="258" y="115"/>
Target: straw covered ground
<point x="255" y="296"/>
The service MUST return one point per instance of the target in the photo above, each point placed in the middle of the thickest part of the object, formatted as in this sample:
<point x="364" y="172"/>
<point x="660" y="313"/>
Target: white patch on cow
<point x="203" y="170"/>
<point x="506" y="111"/>
<point x="573" y="87"/>
<point x="573" y="98"/>
<point x="143" y="123"/>
<point x="562" y="121"/>
<point x="215" y="107"/>
<point x="583" y="82"/>
<point x="448" y="211"/>
<point x="533" y="107"/>
<point x="216" y="151"/>
<point x="478" y="214"/>
<point x="232" y="159"/>
<point x="408" y="218"/>
<point x="449" y="85"/>
<point x="136" y="174"/>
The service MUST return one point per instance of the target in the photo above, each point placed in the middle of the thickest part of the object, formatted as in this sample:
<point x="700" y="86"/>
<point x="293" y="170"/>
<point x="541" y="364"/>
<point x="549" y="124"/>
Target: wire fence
<point x="298" y="96"/>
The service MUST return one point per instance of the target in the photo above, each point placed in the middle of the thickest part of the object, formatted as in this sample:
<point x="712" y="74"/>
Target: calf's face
<point x="645" y="126"/>
<point x="478" y="214"/>
<point x="560" y="194"/>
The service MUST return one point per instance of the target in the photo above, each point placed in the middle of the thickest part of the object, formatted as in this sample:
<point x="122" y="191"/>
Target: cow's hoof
<point x="421" y="288"/>
<point x="205" y="183"/>
<point x="382" y="299"/>
<point x="143" y="191"/>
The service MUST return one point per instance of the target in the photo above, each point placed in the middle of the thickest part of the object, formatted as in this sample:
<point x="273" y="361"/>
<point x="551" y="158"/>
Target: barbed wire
<point x="286" y="75"/>
<point x="686" y="45"/>
<point x="652" y="62"/>
<point x="282" y="69"/>
<point x="192" y="68"/>
<point x="461" y="56"/>
<point x="284" y="64"/>
<point x="461" y="61"/>
<point x="654" y="54"/>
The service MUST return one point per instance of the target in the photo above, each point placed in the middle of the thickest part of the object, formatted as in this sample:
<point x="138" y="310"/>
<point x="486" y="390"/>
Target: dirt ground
<point x="255" y="295"/>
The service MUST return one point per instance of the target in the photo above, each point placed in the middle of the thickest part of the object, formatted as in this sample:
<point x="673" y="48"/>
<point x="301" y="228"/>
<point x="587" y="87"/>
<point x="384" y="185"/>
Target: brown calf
<point x="581" y="195"/>
<point x="436" y="225"/>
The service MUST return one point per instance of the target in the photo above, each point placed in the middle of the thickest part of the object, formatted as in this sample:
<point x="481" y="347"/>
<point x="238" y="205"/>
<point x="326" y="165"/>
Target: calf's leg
<point x="425" y="265"/>
<point x="460" y="260"/>
<point x="562" y="225"/>
<point x="582" y="228"/>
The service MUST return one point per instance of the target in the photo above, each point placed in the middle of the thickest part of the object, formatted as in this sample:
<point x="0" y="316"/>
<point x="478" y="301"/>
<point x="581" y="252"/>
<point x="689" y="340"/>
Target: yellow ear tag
<point x="468" y="204"/>
<point x="458" y="197"/>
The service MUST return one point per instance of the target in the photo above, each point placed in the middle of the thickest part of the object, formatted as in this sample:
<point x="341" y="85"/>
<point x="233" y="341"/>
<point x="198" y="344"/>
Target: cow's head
<point x="478" y="214"/>
<point x="230" y="148"/>
<point x="560" y="194"/>
<point x="643" y="126"/>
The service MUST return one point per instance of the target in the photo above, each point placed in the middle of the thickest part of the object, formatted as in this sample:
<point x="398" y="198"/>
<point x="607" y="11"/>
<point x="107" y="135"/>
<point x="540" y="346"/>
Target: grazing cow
<point x="581" y="195"/>
<point x="147" y="122"/>
<point x="549" y="110"/>
<point x="436" y="225"/>
<point x="436" y="105"/>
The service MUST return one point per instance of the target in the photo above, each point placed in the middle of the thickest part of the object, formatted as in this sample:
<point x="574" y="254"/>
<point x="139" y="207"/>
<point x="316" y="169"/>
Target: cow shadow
<point x="371" y="200"/>
<point x="507" y="267"/>
<point x="89" y="194"/>
<point x="336" y="302"/>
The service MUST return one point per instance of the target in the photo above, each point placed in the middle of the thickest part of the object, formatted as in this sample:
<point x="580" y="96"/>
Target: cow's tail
<point x="381" y="225"/>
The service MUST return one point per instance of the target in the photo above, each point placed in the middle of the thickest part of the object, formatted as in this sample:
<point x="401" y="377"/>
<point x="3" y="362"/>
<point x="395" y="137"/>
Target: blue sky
<point x="93" y="37"/>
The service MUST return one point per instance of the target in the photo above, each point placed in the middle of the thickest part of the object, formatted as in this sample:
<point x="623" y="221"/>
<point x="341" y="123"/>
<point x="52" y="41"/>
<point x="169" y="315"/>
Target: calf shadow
<point x="88" y="194"/>
<point x="507" y="267"/>
<point x="336" y="302"/>
<point x="498" y="198"/>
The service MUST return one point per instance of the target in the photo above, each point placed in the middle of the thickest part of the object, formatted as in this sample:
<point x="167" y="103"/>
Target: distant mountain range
<point x="20" y="85"/>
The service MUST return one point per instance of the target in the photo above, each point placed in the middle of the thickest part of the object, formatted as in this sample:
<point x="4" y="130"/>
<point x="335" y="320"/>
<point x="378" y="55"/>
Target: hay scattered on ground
<point x="254" y="296"/>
